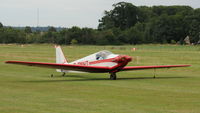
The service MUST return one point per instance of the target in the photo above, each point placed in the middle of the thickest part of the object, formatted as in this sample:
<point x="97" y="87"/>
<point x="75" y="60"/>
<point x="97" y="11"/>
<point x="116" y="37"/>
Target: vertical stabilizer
<point x="60" y="58"/>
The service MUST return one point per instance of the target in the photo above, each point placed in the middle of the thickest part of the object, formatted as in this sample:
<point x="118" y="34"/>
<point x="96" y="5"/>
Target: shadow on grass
<point x="84" y="78"/>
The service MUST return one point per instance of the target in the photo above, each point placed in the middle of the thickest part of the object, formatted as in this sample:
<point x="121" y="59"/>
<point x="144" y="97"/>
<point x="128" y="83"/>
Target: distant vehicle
<point x="100" y="62"/>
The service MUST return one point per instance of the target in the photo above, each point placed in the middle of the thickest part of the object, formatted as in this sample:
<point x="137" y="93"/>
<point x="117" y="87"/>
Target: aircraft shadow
<point x="83" y="78"/>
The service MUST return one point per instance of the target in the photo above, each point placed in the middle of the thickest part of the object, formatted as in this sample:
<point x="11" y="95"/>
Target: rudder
<point x="60" y="58"/>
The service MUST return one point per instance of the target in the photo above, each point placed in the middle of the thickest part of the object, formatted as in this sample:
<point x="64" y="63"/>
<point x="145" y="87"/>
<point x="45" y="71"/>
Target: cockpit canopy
<point x="103" y="55"/>
<point x="96" y="56"/>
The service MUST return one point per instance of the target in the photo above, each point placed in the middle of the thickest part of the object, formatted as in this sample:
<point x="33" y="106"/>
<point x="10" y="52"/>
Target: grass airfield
<point x="31" y="89"/>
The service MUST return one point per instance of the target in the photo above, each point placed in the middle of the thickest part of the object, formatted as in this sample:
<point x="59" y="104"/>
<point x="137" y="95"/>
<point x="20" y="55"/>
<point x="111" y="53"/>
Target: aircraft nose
<point x="129" y="58"/>
<point x="123" y="58"/>
<point x="126" y="58"/>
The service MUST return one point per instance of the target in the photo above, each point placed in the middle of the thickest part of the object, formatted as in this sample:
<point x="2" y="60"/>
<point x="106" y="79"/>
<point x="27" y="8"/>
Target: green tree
<point x="87" y="36"/>
<point x="64" y="37"/>
<point x="52" y="29"/>
<point x="1" y="25"/>
<point x="10" y="35"/>
<point x="74" y="42"/>
<point x="135" y="35"/>
<point x="193" y="23"/>
<point x="166" y="28"/>
<point x="123" y="16"/>
<point x="145" y="13"/>
<point x="75" y="33"/>
<point x="27" y="29"/>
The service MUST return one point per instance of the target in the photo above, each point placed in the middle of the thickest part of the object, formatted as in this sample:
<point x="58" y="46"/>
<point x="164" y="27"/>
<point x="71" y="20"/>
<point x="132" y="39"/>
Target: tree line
<point x="124" y="24"/>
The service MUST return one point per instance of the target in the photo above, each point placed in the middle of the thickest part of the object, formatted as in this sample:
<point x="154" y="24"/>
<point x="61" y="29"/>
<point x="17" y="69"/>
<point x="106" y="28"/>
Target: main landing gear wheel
<point x="113" y="76"/>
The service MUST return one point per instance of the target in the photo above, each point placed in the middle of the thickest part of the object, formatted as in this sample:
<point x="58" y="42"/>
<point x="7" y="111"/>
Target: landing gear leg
<point x="63" y="74"/>
<point x="113" y="76"/>
<point x="154" y="73"/>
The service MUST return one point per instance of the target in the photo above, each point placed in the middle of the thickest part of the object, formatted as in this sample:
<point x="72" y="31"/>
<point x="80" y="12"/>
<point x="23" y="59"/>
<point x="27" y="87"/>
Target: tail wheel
<point x="113" y="76"/>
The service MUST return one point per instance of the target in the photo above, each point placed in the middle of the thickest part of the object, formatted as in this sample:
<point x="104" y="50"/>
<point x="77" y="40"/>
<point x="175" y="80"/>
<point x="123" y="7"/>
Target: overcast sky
<point x="67" y="13"/>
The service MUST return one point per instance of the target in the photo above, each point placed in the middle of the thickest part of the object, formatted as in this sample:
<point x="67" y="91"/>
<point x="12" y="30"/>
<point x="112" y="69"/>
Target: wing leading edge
<point x="151" y="67"/>
<point x="92" y="69"/>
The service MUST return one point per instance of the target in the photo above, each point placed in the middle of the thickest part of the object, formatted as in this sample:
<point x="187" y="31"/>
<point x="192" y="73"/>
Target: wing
<point x="151" y="67"/>
<point x="92" y="69"/>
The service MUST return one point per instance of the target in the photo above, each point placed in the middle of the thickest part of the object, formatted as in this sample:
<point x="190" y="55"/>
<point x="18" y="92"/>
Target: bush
<point x="173" y="42"/>
<point x="74" y="42"/>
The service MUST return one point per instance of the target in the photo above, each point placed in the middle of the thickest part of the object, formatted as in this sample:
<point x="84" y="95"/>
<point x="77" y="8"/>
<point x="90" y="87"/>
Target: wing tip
<point x="7" y="62"/>
<point x="186" y="65"/>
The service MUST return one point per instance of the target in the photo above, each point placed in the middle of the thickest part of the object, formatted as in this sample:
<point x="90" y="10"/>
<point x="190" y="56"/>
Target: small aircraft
<point x="100" y="62"/>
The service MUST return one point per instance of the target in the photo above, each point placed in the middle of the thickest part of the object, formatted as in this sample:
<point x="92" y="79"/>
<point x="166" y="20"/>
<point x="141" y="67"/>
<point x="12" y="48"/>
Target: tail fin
<point x="60" y="58"/>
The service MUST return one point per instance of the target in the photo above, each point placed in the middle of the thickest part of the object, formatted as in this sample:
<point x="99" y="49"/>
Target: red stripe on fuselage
<point x="102" y="61"/>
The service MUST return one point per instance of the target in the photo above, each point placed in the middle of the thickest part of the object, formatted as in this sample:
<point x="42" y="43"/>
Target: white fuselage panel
<point x="89" y="60"/>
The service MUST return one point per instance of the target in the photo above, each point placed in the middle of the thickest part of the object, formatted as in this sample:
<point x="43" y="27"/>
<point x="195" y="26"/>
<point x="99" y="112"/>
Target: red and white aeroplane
<point x="100" y="62"/>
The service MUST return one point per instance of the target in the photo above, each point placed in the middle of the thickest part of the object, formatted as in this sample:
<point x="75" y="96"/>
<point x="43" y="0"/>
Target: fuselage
<point x="115" y="62"/>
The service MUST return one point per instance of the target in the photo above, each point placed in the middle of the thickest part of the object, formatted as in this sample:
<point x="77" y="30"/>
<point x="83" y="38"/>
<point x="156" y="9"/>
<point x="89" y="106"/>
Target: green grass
<point x="31" y="90"/>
